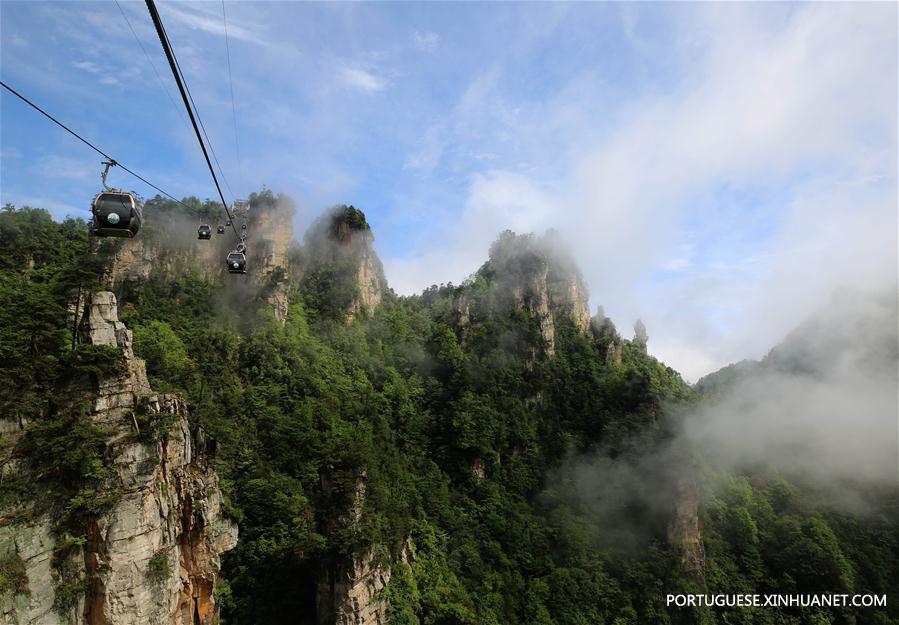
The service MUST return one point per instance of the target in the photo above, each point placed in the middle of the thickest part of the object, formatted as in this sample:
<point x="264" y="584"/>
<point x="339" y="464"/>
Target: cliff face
<point x="168" y="247"/>
<point x="341" y="242"/>
<point x="531" y="294"/>
<point x="347" y="593"/>
<point x="157" y="253"/>
<point x="347" y="588"/>
<point x="568" y="296"/>
<point x="536" y="276"/>
<point x="267" y="255"/>
<point x="369" y="278"/>
<point x="685" y="528"/>
<point x="153" y="556"/>
<point x="31" y="544"/>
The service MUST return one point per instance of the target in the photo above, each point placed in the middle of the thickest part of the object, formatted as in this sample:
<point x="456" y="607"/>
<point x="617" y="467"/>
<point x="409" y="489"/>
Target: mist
<point x="819" y="410"/>
<point x="822" y="404"/>
<point x="723" y="209"/>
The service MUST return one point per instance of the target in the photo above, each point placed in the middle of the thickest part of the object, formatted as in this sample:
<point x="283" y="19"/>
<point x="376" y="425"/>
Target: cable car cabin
<point x="237" y="262"/>
<point x="204" y="232"/>
<point x="228" y="223"/>
<point x="115" y="214"/>
<point x="220" y="229"/>
<point x="243" y="226"/>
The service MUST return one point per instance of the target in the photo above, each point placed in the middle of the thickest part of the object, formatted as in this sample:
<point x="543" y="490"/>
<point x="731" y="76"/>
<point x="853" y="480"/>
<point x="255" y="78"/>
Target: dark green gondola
<point x="115" y="213"/>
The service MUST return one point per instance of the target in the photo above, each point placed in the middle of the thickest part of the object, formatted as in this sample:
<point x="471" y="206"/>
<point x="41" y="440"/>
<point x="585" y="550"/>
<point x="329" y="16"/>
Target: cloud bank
<point x="716" y="168"/>
<point x="820" y="410"/>
<point x="722" y="209"/>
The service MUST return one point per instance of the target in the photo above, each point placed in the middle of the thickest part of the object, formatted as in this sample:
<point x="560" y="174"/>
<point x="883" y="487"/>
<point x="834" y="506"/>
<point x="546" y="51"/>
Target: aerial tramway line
<point x="119" y="213"/>
<point x="236" y="261"/>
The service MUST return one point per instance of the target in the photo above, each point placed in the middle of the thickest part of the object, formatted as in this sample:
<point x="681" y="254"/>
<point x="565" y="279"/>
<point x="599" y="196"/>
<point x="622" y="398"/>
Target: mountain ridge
<point x="481" y="453"/>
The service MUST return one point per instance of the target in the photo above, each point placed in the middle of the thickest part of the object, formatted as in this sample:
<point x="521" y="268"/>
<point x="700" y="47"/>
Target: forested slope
<point x="436" y="448"/>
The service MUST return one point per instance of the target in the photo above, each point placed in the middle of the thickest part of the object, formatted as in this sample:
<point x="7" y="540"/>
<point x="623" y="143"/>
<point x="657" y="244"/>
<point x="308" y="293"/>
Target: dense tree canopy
<point x="402" y="401"/>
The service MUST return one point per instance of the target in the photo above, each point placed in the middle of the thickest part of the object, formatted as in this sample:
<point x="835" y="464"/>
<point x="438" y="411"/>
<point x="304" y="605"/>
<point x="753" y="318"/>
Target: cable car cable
<point x="199" y="117"/>
<point x="153" y="65"/>
<point x="203" y="127"/>
<point x="231" y="85"/>
<point x="163" y="39"/>
<point x="86" y="142"/>
<point x="191" y="107"/>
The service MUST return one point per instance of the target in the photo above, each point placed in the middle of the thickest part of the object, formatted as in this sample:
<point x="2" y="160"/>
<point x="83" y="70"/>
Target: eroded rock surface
<point x="347" y="588"/>
<point x="347" y="593"/>
<point x="168" y="247"/>
<point x="153" y="556"/>
<point x="33" y="544"/>
<point x="536" y="276"/>
<point x="685" y="528"/>
<point x="341" y="242"/>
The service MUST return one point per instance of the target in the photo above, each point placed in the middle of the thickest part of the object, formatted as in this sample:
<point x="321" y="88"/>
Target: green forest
<point x="467" y="437"/>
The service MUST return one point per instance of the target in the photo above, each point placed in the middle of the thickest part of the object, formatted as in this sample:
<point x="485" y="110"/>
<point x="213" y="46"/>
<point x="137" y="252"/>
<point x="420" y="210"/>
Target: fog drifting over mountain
<point x="722" y="211"/>
<point x="820" y="410"/>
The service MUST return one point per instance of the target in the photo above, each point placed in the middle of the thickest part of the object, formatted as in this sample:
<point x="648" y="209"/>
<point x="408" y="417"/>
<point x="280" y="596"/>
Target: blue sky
<point x="717" y="168"/>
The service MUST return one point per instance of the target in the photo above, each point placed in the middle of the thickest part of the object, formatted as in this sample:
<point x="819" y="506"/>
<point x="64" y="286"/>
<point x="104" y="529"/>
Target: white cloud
<point x="70" y="168"/>
<point x="497" y="201"/>
<point x="362" y="79"/>
<point x="476" y="114"/>
<point x="197" y="18"/>
<point x="88" y="66"/>
<point x="718" y="202"/>
<point x="125" y="73"/>
<point x="425" y="41"/>
<point x="10" y="153"/>
<point x="803" y="109"/>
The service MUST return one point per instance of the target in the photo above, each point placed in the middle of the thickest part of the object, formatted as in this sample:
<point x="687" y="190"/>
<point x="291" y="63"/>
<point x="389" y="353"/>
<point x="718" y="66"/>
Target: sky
<point x="717" y="169"/>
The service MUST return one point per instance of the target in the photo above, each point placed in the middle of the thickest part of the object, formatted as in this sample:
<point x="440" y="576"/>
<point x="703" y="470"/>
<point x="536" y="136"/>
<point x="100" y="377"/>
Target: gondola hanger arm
<point x="109" y="163"/>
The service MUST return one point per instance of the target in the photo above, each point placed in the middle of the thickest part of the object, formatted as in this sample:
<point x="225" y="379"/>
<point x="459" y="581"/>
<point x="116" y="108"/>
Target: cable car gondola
<point x="220" y="229"/>
<point x="204" y="232"/>
<point x="116" y="213"/>
<point x="228" y="223"/>
<point x="243" y="226"/>
<point x="237" y="262"/>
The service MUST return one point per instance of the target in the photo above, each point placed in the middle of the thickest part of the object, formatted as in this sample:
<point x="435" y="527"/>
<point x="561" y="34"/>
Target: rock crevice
<point x="153" y="555"/>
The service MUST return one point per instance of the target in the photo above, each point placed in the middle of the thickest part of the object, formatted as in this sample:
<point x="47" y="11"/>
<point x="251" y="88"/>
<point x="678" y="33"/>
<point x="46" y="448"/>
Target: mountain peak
<point x="537" y="275"/>
<point x="343" y="265"/>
